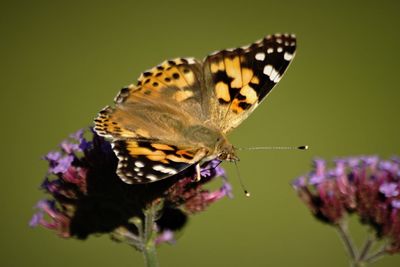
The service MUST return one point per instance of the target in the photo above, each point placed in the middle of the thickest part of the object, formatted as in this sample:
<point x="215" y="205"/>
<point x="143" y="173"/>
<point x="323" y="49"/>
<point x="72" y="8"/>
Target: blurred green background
<point x="62" y="61"/>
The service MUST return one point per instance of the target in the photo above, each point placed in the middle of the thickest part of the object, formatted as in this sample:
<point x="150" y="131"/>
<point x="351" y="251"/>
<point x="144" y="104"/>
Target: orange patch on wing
<point x="182" y="95"/>
<point x="188" y="75"/>
<point x="255" y="80"/>
<point x="222" y="91"/>
<point x="178" y="159"/>
<point x="233" y="70"/>
<point x="184" y="152"/>
<point x="162" y="147"/>
<point x="249" y="93"/>
<point x="235" y="106"/>
<point x="217" y="66"/>
<point x="247" y="75"/>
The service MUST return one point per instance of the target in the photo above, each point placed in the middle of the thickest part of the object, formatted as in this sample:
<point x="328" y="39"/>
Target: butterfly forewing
<point x="241" y="78"/>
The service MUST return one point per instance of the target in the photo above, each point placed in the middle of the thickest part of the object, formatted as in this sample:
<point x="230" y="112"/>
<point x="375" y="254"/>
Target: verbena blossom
<point x="367" y="186"/>
<point x="85" y="195"/>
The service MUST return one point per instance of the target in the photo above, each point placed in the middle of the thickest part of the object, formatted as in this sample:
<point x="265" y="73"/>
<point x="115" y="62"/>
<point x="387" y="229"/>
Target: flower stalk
<point x="149" y="236"/>
<point x="342" y="229"/>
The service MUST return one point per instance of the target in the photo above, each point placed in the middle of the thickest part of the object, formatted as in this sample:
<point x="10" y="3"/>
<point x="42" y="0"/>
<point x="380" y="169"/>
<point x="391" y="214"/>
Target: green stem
<point x="358" y="264"/>
<point x="345" y="236"/>
<point x="149" y="235"/>
<point x="366" y="248"/>
<point x="150" y="255"/>
<point x="376" y="256"/>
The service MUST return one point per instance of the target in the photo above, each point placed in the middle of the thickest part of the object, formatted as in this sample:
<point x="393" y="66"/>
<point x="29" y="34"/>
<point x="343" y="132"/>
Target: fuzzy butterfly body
<point x="179" y="112"/>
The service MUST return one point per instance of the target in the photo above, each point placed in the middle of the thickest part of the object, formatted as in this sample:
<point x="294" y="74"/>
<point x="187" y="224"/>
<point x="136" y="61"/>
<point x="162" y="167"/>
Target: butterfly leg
<point x="198" y="174"/>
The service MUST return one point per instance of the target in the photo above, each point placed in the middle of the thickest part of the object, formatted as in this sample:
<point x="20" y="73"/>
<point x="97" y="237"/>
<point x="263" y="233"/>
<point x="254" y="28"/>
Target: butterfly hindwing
<point x="239" y="79"/>
<point x="146" y="161"/>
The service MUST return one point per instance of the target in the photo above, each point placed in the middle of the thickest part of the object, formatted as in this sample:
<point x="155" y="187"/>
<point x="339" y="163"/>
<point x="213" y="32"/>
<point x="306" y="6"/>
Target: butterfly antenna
<point x="246" y="193"/>
<point x="305" y="147"/>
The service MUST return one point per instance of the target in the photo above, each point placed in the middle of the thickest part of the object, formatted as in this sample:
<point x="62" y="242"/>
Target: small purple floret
<point x="389" y="189"/>
<point x="62" y="165"/>
<point x="53" y="156"/>
<point x="396" y="204"/>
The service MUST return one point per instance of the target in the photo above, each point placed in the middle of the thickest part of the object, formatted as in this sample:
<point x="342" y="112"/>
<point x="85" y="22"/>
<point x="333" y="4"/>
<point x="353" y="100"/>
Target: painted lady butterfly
<point x="180" y="111"/>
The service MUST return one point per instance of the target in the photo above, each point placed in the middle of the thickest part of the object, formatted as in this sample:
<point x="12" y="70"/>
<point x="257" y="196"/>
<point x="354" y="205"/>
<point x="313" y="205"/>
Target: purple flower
<point x="58" y="221"/>
<point x="366" y="186"/>
<point x="87" y="197"/>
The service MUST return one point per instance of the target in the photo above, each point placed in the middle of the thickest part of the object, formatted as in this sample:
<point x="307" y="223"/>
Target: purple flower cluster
<point x="87" y="197"/>
<point x="367" y="186"/>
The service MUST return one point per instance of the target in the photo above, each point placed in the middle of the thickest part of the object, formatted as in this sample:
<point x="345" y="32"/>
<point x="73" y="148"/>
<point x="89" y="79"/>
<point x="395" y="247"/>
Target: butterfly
<point x="180" y="112"/>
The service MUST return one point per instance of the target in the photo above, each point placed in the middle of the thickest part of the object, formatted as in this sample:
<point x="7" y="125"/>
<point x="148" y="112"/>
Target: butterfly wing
<point x="150" y="123"/>
<point x="166" y="99"/>
<point x="147" y="161"/>
<point x="239" y="79"/>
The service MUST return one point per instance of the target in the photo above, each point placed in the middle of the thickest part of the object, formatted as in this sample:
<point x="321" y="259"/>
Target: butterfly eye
<point x="222" y="156"/>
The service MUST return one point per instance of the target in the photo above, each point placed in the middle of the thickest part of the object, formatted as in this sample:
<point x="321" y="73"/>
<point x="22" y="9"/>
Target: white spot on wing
<point x="128" y="181"/>
<point x="287" y="56"/>
<point x="260" y="56"/>
<point x="267" y="70"/>
<point x="280" y="49"/>
<point x="151" y="177"/>
<point x="270" y="50"/>
<point x="139" y="164"/>
<point x="277" y="78"/>
<point x="272" y="73"/>
<point x="164" y="169"/>
<point x="191" y="60"/>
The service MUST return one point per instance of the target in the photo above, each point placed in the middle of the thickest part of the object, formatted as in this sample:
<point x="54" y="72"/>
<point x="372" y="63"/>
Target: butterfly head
<point x="226" y="151"/>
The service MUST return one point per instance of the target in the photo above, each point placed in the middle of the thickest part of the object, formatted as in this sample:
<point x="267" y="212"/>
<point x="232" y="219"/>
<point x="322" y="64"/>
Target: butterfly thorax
<point x="212" y="140"/>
